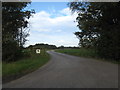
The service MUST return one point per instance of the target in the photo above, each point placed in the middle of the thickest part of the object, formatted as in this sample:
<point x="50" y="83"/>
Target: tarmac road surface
<point x="66" y="71"/>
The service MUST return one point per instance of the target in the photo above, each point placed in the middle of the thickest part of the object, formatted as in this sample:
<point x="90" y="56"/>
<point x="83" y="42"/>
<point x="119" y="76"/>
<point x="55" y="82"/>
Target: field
<point x="88" y="53"/>
<point x="25" y="65"/>
<point x="79" y="52"/>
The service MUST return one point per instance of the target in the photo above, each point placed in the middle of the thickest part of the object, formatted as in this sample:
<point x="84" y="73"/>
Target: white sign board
<point x="38" y="51"/>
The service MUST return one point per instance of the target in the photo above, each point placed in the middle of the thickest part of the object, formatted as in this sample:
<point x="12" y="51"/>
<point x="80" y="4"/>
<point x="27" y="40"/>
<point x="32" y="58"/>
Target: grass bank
<point x="79" y="52"/>
<point x="26" y="65"/>
<point x="82" y="52"/>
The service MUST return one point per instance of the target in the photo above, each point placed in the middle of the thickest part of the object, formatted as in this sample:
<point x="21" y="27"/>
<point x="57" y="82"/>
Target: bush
<point x="10" y="51"/>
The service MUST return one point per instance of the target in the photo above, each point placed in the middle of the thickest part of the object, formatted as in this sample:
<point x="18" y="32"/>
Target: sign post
<point x="38" y="51"/>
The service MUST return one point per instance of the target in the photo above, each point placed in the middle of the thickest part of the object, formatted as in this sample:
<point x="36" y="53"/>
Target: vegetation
<point x="23" y="66"/>
<point x="14" y="29"/>
<point x="42" y="46"/>
<point x="83" y="52"/>
<point x="78" y="52"/>
<point x="99" y="24"/>
<point x="62" y="47"/>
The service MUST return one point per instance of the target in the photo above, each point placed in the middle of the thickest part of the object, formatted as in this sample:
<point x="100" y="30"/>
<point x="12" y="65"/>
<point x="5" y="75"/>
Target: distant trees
<point x="61" y="47"/>
<point x="99" y="24"/>
<point x="70" y="47"/>
<point x="14" y="32"/>
<point x="42" y="46"/>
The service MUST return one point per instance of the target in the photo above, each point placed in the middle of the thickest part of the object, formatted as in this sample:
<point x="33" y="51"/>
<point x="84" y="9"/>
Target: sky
<point x="53" y="24"/>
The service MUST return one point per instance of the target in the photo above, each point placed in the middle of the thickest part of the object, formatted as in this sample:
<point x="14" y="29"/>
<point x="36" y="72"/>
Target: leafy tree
<point x="14" y="24"/>
<point x="99" y="24"/>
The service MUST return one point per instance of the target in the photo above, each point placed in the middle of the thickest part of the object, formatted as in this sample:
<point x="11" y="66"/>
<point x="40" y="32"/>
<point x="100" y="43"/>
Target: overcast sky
<point x="52" y="23"/>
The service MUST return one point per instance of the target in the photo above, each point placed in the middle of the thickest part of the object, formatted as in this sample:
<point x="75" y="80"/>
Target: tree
<point x="99" y="25"/>
<point x="14" y="24"/>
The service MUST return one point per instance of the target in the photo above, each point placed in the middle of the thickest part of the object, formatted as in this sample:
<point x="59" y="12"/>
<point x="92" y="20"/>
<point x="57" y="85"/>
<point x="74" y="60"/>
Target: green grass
<point x="82" y="52"/>
<point x="79" y="52"/>
<point x="25" y="65"/>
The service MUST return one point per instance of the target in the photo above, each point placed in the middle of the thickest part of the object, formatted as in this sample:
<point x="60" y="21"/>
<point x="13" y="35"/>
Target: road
<point x="66" y="71"/>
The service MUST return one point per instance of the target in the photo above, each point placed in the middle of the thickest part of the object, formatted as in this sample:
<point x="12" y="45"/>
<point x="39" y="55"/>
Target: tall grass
<point x="82" y="52"/>
<point x="25" y="65"/>
<point x="79" y="52"/>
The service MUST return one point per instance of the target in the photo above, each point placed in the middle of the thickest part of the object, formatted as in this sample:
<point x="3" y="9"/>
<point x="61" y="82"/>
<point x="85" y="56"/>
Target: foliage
<point x="99" y="24"/>
<point x="14" y="32"/>
<point x="61" y="47"/>
<point x="42" y="46"/>
<point x="85" y="52"/>
<point x="79" y="52"/>
<point x="24" y="66"/>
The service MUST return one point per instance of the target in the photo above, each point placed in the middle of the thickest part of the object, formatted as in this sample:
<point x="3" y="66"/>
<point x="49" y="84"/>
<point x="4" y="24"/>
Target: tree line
<point x="99" y="27"/>
<point x="14" y="29"/>
<point x="42" y="46"/>
<point x="49" y="47"/>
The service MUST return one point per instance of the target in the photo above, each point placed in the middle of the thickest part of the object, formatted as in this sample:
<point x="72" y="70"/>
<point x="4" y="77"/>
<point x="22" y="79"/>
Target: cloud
<point x="57" y="30"/>
<point x="66" y="11"/>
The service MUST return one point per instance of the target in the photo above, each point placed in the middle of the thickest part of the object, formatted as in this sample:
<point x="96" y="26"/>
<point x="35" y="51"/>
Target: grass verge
<point x="19" y="68"/>
<point x="82" y="52"/>
<point x="78" y="52"/>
